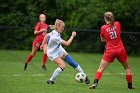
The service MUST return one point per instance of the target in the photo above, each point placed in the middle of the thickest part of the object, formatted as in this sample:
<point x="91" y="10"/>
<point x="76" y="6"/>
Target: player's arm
<point x="68" y="42"/>
<point x="38" y="30"/>
<point x="103" y="39"/>
<point x="102" y="34"/>
<point x="44" y="41"/>
<point x="41" y="30"/>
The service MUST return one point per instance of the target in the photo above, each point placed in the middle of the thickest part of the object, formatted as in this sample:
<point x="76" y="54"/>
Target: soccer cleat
<point x="44" y="67"/>
<point x="130" y="86"/>
<point x="50" y="82"/>
<point x="25" y="66"/>
<point x="87" y="81"/>
<point x="93" y="86"/>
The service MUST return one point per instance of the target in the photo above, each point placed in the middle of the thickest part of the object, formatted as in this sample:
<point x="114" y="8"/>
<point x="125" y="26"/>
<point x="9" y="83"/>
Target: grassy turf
<point x="13" y="79"/>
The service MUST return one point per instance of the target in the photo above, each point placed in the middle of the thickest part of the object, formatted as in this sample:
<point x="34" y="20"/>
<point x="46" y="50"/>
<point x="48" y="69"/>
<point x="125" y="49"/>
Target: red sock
<point x="44" y="58"/>
<point x="98" y="75"/>
<point x="129" y="78"/>
<point x="29" y="59"/>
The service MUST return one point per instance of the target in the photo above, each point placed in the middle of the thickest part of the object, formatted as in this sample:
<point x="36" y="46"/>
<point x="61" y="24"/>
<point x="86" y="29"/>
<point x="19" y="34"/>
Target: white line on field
<point x="40" y="75"/>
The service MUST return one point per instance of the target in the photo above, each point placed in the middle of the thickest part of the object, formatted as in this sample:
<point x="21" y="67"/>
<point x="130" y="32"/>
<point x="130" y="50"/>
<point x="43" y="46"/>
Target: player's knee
<point x="63" y="66"/>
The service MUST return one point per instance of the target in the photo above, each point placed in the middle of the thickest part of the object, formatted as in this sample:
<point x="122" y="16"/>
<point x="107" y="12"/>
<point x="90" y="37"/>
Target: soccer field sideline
<point x="40" y="75"/>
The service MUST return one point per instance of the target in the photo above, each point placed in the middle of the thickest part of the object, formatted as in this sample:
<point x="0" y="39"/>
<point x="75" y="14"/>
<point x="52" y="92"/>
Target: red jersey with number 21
<point x="112" y="36"/>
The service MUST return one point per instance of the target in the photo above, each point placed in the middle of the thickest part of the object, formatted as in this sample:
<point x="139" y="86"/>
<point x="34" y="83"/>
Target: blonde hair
<point x="57" y="24"/>
<point x="109" y="17"/>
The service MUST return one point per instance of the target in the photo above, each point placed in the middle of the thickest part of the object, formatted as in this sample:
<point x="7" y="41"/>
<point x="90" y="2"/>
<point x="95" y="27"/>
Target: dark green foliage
<point x="77" y="14"/>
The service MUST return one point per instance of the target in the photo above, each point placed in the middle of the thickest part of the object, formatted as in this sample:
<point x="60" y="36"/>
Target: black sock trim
<point x="61" y="68"/>
<point x="129" y="85"/>
<point x="95" y="81"/>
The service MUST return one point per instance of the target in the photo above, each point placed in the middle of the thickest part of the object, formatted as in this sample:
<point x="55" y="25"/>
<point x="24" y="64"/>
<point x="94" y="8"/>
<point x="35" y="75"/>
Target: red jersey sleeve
<point x="37" y="27"/>
<point x="118" y="25"/>
<point x="102" y="32"/>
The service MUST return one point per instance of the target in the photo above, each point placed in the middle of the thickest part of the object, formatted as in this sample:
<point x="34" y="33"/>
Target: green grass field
<point x="13" y="79"/>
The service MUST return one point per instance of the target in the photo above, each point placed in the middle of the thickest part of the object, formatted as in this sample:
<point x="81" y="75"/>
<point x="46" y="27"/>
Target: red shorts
<point x="37" y="41"/>
<point x="119" y="55"/>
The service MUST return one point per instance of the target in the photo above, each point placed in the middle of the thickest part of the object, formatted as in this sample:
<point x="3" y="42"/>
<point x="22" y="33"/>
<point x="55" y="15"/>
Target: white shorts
<point x="58" y="53"/>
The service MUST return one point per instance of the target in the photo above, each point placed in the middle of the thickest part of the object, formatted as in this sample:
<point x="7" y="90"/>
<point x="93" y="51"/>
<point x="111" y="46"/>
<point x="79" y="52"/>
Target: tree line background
<point x="18" y="18"/>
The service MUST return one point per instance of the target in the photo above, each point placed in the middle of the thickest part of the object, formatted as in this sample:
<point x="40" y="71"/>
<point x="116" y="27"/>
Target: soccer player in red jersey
<point x="110" y="33"/>
<point x="40" y="31"/>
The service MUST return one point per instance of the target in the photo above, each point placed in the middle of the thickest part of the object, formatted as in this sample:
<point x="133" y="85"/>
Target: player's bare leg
<point x="34" y="50"/>
<point x="103" y="65"/>
<point x="61" y="66"/>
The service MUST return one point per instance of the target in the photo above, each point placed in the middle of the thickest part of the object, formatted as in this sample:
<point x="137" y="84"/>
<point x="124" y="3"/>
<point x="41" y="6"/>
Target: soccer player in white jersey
<point x="57" y="53"/>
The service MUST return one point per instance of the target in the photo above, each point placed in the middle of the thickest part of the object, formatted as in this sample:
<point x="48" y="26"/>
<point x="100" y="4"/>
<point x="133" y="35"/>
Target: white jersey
<point x="54" y="48"/>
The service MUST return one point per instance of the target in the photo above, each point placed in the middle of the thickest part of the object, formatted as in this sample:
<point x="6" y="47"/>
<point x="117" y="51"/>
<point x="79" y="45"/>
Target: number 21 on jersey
<point x="113" y="35"/>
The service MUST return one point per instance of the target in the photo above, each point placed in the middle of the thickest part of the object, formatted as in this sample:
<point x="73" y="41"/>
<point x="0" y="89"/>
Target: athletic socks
<point x="96" y="80"/>
<point x="29" y="59"/>
<point x="56" y="72"/>
<point x="72" y="63"/>
<point x="76" y="66"/>
<point x="129" y="78"/>
<point x="129" y="81"/>
<point x="25" y="66"/>
<point x="98" y="75"/>
<point x="79" y="69"/>
<point x="44" y="58"/>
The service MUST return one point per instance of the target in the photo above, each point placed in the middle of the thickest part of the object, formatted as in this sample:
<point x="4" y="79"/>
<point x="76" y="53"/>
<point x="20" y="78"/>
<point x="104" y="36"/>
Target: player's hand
<point x="42" y="30"/>
<point x="41" y="47"/>
<point x="73" y="33"/>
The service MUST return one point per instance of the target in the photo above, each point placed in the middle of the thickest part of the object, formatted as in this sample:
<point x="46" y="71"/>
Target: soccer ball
<point x="80" y="77"/>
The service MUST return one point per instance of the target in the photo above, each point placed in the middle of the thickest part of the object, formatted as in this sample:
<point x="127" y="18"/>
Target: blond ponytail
<point x="57" y="23"/>
<point x="109" y="17"/>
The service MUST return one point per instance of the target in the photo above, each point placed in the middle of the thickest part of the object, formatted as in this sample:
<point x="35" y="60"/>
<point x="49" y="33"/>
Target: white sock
<point x="79" y="69"/>
<point x="56" y="72"/>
